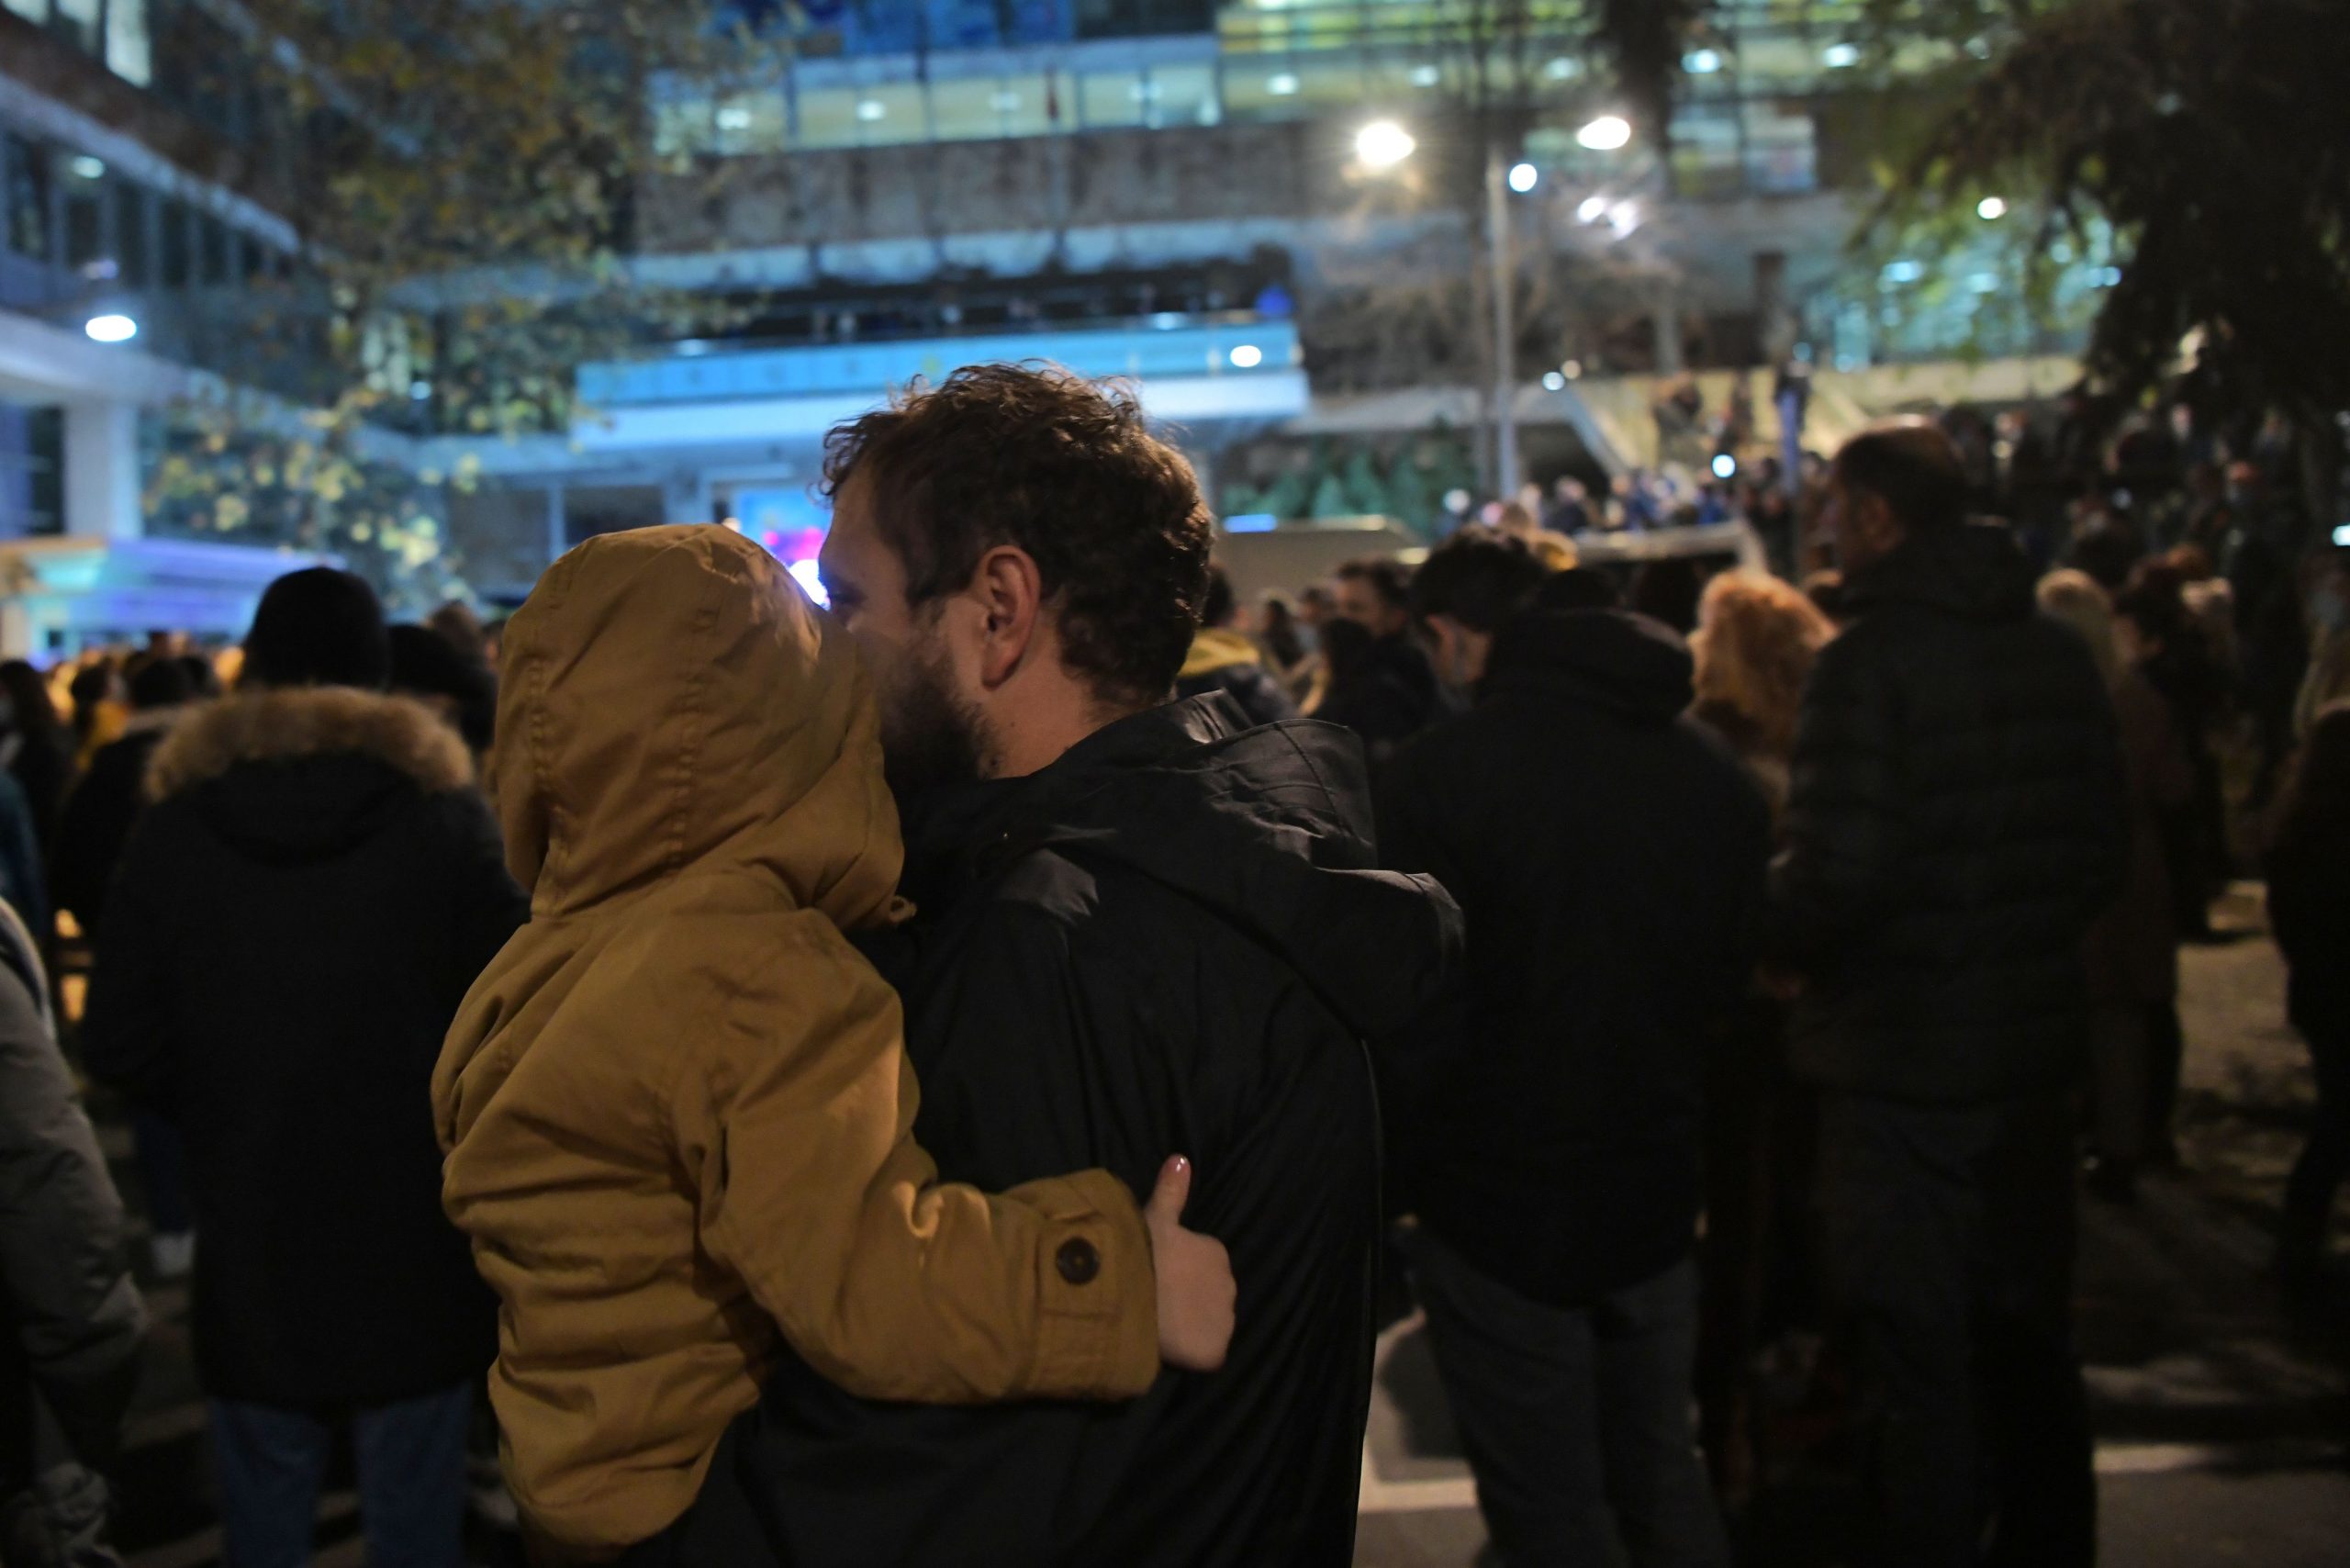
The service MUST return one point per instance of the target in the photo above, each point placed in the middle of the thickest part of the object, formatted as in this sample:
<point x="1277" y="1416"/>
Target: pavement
<point x="2223" y="1418"/>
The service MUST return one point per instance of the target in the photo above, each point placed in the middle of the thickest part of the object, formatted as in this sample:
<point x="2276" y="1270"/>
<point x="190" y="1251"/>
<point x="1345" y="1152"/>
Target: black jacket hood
<point x="1269" y="828"/>
<point x="1977" y="572"/>
<point x="1627" y="663"/>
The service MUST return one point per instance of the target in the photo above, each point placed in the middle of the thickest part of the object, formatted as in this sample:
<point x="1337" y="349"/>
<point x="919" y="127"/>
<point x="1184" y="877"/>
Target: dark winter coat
<point x="1171" y="940"/>
<point x="1385" y="695"/>
<point x="99" y="815"/>
<point x="2308" y="908"/>
<point x="1957" y="817"/>
<point x="2132" y="951"/>
<point x="24" y="883"/>
<point x="297" y="918"/>
<point x="1609" y="856"/>
<point x="71" y="1320"/>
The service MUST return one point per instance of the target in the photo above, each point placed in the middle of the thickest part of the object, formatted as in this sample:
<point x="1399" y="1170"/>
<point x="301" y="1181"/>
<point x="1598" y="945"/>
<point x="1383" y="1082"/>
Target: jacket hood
<point x="1977" y="571"/>
<point x="1269" y="828"/>
<point x="670" y="699"/>
<point x="1613" y="659"/>
<point x="304" y="772"/>
<point x="1215" y="648"/>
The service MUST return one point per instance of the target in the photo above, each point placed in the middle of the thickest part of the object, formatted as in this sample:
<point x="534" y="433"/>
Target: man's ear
<point x="1010" y="593"/>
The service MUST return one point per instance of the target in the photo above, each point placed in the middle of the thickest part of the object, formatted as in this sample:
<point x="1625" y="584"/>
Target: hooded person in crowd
<point x="677" y="1105"/>
<point x="296" y="919"/>
<point x="1956" y="819"/>
<point x="1224" y="658"/>
<point x="1608" y="855"/>
<point x="1142" y="926"/>
<point x="71" y="1320"/>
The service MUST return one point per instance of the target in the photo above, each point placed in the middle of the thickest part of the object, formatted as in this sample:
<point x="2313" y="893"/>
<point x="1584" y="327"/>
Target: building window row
<point x="94" y="230"/>
<point x="115" y="32"/>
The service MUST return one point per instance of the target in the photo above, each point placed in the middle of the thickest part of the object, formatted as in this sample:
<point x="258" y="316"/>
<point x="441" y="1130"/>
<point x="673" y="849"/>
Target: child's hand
<point x="1195" y="1284"/>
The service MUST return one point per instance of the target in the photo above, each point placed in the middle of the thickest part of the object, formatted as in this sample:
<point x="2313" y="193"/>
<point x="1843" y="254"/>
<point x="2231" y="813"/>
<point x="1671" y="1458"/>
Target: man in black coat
<point x="1385" y="690"/>
<point x="297" y="915"/>
<point x="1142" y="929"/>
<point x="1957" y="819"/>
<point x="1609" y="856"/>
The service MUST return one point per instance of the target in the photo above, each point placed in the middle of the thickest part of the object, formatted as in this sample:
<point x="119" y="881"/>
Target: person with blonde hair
<point x="1755" y="642"/>
<point x="2132" y="950"/>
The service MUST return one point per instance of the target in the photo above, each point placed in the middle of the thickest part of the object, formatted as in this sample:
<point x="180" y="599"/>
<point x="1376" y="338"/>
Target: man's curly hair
<point x="1062" y="467"/>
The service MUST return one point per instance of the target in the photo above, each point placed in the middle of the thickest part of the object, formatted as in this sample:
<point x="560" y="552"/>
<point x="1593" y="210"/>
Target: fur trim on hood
<point x="312" y="721"/>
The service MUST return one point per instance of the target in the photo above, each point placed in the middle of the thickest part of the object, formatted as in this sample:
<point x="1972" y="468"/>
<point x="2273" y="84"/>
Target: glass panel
<point x="965" y="109"/>
<point x="211" y="249"/>
<point x="78" y="19"/>
<point x="1108" y="100"/>
<point x="179" y="256"/>
<point x="84" y="185"/>
<point x="828" y="116"/>
<point x="749" y="122"/>
<point x="1183" y="95"/>
<point x="129" y="54"/>
<point x="131" y="249"/>
<point x="1264" y="88"/>
<point x="28" y="194"/>
<point x="1782" y="147"/>
<point x="31" y="10"/>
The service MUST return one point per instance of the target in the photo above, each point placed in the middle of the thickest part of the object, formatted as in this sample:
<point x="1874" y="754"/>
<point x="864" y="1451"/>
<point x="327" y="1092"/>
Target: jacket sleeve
<point x="1843" y="820"/>
<point x="62" y="1244"/>
<point x="799" y="1124"/>
<point x="125" y="1037"/>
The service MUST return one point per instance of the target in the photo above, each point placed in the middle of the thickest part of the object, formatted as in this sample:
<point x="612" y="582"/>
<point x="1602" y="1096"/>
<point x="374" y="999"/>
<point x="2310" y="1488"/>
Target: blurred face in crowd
<point x="1458" y="653"/>
<point x="1359" y="600"/>
<point x="932" y="734"/>
<point x="1862" y="527"/>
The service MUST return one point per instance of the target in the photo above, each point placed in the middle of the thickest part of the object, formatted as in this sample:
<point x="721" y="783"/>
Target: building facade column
<point x="103" y="492"/>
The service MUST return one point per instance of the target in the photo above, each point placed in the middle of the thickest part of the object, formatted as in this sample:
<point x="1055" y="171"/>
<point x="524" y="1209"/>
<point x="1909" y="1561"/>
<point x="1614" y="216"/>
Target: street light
<point x="1382" y="144"/>
<point x="1990" y="209"/>
<point x="1606" y="134"/>
<point x="111" y="327"/>
<point x="1246" y="357"/>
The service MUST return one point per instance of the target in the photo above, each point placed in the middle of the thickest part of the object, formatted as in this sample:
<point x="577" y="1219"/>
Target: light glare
<point x="1382" y="144"/>
<point x="110" y="329"/>
<point x="1606" y="134"/>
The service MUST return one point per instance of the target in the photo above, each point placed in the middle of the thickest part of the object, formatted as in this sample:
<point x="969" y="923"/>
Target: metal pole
<point x="1505" y="390"/>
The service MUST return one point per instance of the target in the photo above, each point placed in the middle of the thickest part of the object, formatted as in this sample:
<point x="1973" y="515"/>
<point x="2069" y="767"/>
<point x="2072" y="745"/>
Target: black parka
<point x="1169" y="941"/>
<point x="294" y="922"/>
<point x="1610" y="854"/>
<point x="1957" y="818"/>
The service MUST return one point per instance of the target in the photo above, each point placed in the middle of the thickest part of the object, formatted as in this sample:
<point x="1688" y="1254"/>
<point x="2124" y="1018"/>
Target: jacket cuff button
<point x="1078" y="1261"/>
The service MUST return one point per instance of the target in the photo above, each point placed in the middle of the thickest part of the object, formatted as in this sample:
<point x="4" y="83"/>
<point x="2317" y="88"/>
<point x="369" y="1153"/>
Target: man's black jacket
<point x="1957" y="819"/>
<point x="1169" y="941"/>
<point x="1609" y="854"/>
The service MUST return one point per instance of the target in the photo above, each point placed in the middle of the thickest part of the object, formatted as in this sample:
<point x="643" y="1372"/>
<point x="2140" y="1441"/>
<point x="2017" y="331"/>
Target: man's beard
<point x="932" y="739"/>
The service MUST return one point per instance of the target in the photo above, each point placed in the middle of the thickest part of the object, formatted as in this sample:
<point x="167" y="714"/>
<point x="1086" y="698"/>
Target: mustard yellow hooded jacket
<point x="676" y="1107"/>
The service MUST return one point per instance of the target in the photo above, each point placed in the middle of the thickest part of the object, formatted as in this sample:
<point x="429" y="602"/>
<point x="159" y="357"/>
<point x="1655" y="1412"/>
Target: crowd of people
<point x="892" y="1086"/>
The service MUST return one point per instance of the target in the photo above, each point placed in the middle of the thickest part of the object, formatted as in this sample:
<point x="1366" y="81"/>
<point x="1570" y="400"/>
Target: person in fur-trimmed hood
<point x="296" y="919"/>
